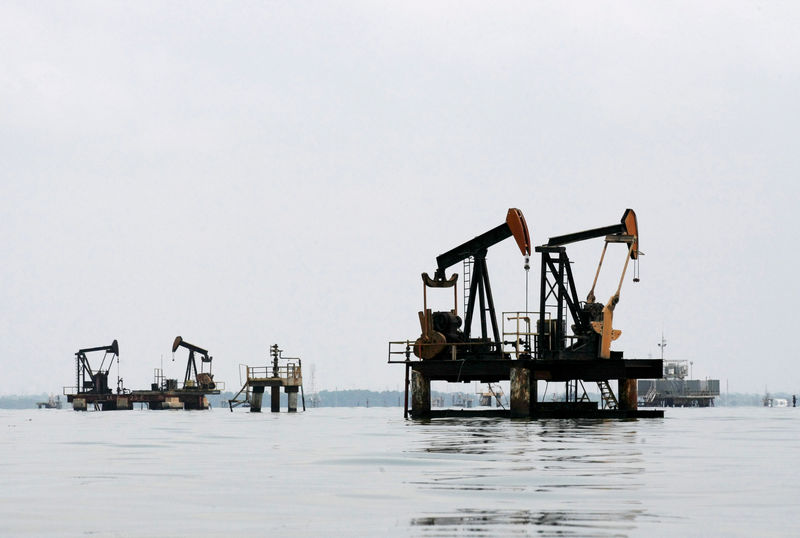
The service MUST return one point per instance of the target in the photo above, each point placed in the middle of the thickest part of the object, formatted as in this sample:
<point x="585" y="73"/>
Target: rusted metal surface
<point x="628" y="394"/>
<point x="520" y="392"/>
<point x="420" y="394"/>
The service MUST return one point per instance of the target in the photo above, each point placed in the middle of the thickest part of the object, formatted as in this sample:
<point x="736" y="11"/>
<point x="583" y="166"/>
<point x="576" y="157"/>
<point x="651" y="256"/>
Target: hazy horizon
<point x="256" y="173"/>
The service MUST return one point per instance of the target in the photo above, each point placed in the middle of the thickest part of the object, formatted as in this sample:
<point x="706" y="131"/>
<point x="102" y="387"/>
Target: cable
<point x="495" y="396"/>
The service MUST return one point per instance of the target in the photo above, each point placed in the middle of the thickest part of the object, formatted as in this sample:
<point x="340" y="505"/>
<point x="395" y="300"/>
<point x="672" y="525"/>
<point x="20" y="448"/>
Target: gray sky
<point x="243" y="174"/>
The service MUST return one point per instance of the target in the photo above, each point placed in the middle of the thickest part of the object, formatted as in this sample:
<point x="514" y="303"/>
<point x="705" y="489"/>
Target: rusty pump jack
<point x="440" y="330"/>
<point x="592" y="321"/>
<point x="201" y="380"/>
<point x="95" y="382"/>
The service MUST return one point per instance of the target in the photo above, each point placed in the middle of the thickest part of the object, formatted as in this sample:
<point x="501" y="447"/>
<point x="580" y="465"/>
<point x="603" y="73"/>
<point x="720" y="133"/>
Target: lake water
<point x="368" y="472"/>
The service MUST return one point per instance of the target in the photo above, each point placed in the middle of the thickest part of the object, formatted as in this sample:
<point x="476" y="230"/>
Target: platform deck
<point x="494" y="370"/>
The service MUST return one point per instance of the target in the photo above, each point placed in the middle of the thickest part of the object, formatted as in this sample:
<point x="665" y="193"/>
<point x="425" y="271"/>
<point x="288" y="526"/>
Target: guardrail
<point x="290" y="372"/>
<point x="452" y="349"/>
<point x="518" y="340"/>
<point x="522" y="339"/>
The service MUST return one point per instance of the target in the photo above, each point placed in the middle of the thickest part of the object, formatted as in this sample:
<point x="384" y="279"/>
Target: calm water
<point x="367" y="472"/>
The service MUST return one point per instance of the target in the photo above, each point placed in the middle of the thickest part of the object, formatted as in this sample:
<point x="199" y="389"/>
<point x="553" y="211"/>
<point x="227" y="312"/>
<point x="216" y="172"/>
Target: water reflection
<point x="543" y="523"/>
<point x="462" y="437"/>
<point x="552" y="465"/>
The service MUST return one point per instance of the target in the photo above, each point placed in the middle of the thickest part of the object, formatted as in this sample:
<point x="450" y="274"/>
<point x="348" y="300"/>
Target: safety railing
<point x="407" y="353"/>
<point x="519" y="339"/>
<point x="403" y="350"/>
<point x="290" y="373"/>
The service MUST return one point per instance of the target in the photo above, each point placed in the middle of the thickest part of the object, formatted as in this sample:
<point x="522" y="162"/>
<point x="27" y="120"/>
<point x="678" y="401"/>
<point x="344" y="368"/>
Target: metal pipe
<point x="405" y="406"/>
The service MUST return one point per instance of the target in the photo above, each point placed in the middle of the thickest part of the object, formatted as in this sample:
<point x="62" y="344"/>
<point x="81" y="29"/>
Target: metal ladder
<point x="467" y="281"/>
<point x="651" y="394"/>
<point x="609" y="400"/>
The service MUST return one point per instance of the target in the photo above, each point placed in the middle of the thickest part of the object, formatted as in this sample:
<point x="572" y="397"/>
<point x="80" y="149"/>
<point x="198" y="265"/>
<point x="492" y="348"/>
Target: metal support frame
<point x="554" y="269"/>
<point x="480" y="284"/>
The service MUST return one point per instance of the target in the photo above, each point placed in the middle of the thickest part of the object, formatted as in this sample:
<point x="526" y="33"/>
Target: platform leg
<point x="255" y="399"/>
<point x="276" y="399"/>
<point x="628" y="395"/>
<point x="520" y="392"/>
<point x="420" y="395"/>
<point x="291" y="394"/>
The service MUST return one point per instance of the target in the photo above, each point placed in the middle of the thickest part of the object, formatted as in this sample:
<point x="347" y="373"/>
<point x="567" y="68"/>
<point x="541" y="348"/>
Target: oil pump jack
<point x="591" y="321"/>
<point x="92" y="388"/>
<point x="441" y="335"/>
<point x="195" y="379"/>
<point x="89" y="381"/>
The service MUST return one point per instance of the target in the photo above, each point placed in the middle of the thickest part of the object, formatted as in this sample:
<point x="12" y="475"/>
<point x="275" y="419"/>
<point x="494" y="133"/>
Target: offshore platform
<point x="676" y="388"/>
<point x="93" y="391"/>
<point x="284" y="372"/>
<point x="528" y="347"/>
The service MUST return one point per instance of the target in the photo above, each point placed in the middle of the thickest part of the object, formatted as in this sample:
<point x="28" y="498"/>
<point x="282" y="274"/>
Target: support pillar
<point x="420" y="395"/>
<point x="255" y="399"/>
<point x="628" y="395"/>
<point x="276" y="399"/>
<point x="79" y="404"/>
<point x="291" y="393"/>
<point x="520" y="392"/>
<point x="534" y="395"/>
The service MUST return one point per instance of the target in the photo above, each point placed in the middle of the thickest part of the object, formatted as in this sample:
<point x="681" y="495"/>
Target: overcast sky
<point x="250" y="173"/>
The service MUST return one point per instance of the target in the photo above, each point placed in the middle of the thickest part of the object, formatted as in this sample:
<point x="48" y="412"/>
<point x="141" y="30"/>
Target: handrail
<point x="408" y="351"/>
<point x="290" y="371"/>
<point x="520" y="337"/>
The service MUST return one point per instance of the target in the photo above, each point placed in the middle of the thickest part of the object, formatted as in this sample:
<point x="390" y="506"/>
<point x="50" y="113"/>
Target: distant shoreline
<point x="389" y="398"/>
